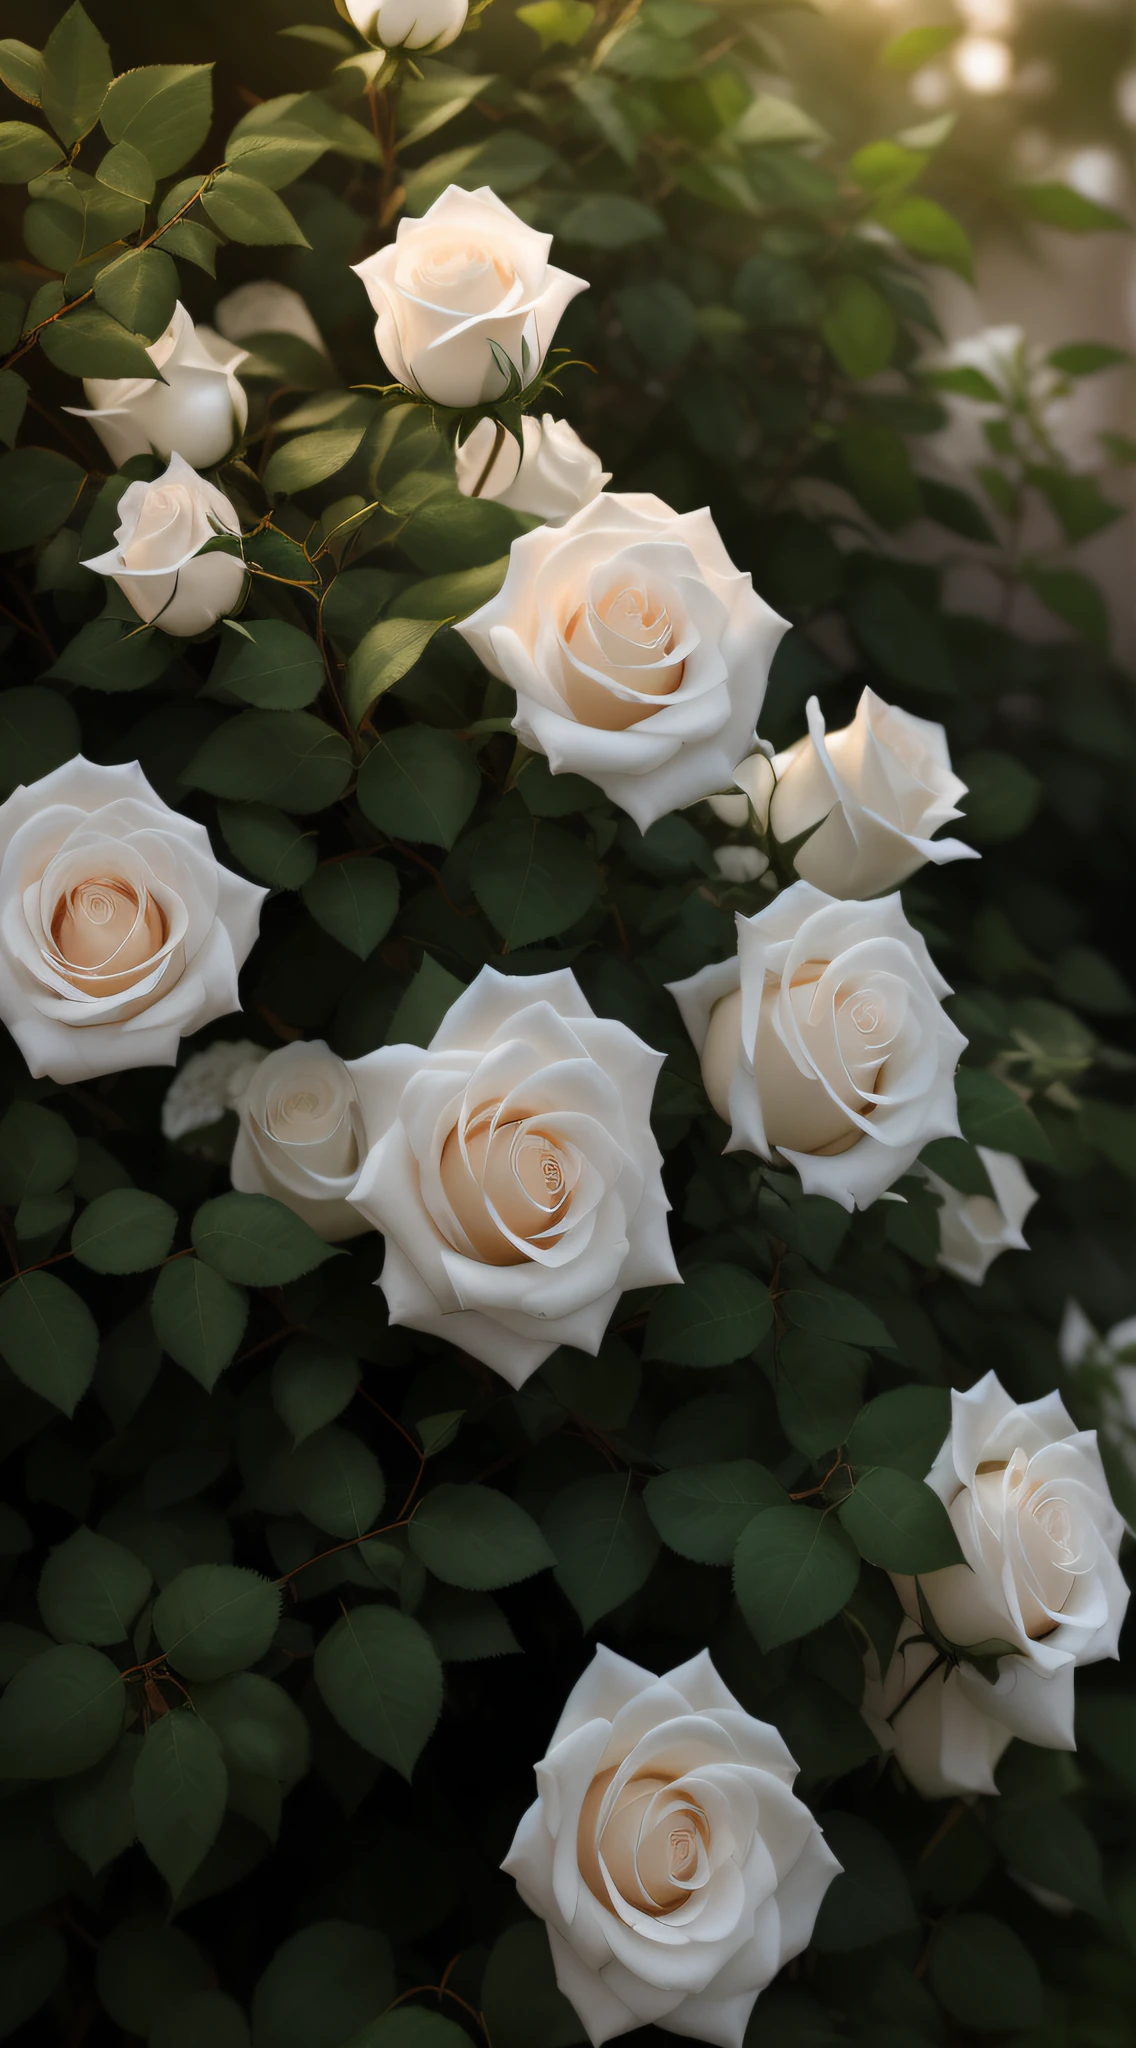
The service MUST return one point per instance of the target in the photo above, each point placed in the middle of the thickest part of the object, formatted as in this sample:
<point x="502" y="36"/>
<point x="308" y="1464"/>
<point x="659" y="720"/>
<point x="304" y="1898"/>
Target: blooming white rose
<point x="120" y="932"/>
<point x="1029" y="1502"/>
<point x="197" y="408"/>
<point x="974" y="1229"/>
<point x="824" y="1039"/>
<point x="301" y="1137"/>
<point x="513" y="1171"/>
<point x="406" y="24"/>
<point x="266" y="307"/>
<point x="554" y="475"/>
<point x="875" y="793"/>
<point x="638" y="652"/>
<point x="464" y="297"/>
<point x="157" y="561"/>
<point x="675" y="1868"/>
<point x="202" y="1089"/>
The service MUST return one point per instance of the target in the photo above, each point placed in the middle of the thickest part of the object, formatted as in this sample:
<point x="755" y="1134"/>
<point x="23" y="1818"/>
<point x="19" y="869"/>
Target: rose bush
<point x="414" y="1336"/>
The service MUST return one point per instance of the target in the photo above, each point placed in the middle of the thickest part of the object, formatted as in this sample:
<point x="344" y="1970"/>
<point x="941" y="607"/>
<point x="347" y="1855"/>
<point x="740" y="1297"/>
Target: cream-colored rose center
<point x="848" y="1044"/>
<point x="310" y="1110"/>
<point x="1048" y="1562"/>
<point x="626" y="633"/>
<point x="652" y="1847"/>
<point x="469" y="276"/>
<point x="166" y="529"/>
<point x="512" y="1178"/>
<point x="105" y="932"/>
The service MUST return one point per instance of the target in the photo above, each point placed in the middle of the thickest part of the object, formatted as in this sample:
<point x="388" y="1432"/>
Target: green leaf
<point x="905" y="1428"/>
<point x="899" y="1523"/>
<point x="162" y="110"/>
<point x="520" y="1997"/>
<point x="38" y="1152"/>
<point x="558" y="21"/>
<point x="1074" y="598"/>
<point x="419" y="784"/>
<point x="270" y="664"/>
<point x="199" y="1318"/>
<point x="33" y="1962"/>
<point x="88" y="343"/>
<point x="424" y="1004"/>
<point x="916" y="47"/>
<point x="91" y="1589"/>
<point x="21" y="69"/>
<point x="74" y="75"/>
<point x="878" y="469"/>
<point x="440" y="92"/>
<point x="928" y="230"/>
<point x="984" y="1976"/>
<point x="25" y="152"/>
<point x="207" y="2019"/>
<point x="1085" y="358"/>
<point x="826" y="1311"/>
<point x="216" y="1618"/>
<point x="611" y="220"/>
<point x="859" y="326"/>
<point x="61" y="1713"/>
<point x="310" y="459"/>
<point x="321" y="1986"/>
<point x="259" y="1726"/>
<point x="38" y="731"/>
<point x="49" y="1338"/>
<point x="115" y="655"/>
<point x="532" y="879"/>
<point x="1076" y="500"/>
<point x="312" y="1383"/>
<point x="270" y="845"/>
<point x="379" y="1673"/>
<point x="720" y="1313"/>
<point x="247" y="211"/>
<point x="337" y="1482"/>
<point x="411" y="2027"/>
<point x="124" y="169"/>
<point x="603" y="1542"/>
<point x="385" y="654"/>
<point x="450" y="597"/>
<point x="793" y="1570"/>
<point x="818" y="1390"/>
<point x="1059" y="206"/>
<point x="701" y="1510"/>
<point x="37" y="491"/>
<point x="1002" y="797"/>
<point x="256" y="1241"/>
<point x="180" y="1789"/>
<point x="13" y="404"/>
<point x="125" y="1231"/>
<point x="94" y="1812"/>
<point x="870" y="1900"/>
<point x="991" y="1114"/>
<point x="284" y="758"/>
<point x="356" y="901"/>
<point x="475" y="1537"/>
<point x="140" y="289"/>
<point x="145" y="1969"/>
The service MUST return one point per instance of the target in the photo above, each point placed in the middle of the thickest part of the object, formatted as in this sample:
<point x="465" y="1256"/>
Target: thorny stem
<point x="351" y="1544"/>
<point x="442" y="1990"/>
<point x="809" y="1492"/>
<point x="935" y="1665"/>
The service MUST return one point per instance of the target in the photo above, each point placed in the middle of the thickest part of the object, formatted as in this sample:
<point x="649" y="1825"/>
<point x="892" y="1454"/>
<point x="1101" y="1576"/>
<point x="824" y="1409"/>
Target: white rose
<point x="301" y="1137"/>
<point x="513" y="1172"/>
<point x="464" y="297"/>
<point x="824" y="1040"/>
<point x="197" y="408"/>
<point x="974" y="1229"/>
<point x="157" y="561"/>
<point x="406" y="24"/>
<point x="740" y="863"/>
<point x="666" y="1851"/>
<point x="882" y="786"/>
<point x="552" y="478"/>
<point x="120" y="932"/>
<point x="265" y="307"/>
<point x="1028" y="1500"/>
<point x="638" y="652"/>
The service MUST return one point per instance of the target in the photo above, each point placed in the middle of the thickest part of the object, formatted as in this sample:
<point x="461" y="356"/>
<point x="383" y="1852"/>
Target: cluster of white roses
<point x="510" y="1165"/>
